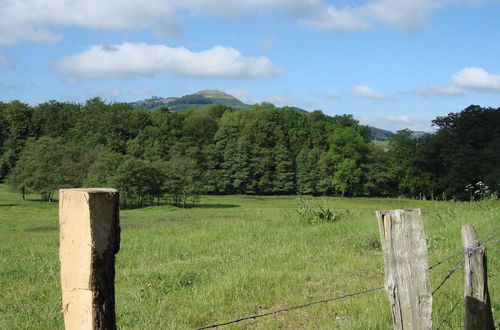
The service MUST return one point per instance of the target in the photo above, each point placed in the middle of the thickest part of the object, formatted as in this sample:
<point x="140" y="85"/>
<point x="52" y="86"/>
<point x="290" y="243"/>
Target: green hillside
<point x="379" y="134"/>
<point x="201" y="98"/>
<point x="206" y="97"/>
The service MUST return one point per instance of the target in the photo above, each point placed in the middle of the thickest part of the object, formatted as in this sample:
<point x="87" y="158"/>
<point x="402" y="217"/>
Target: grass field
<point x="234" y="256"/>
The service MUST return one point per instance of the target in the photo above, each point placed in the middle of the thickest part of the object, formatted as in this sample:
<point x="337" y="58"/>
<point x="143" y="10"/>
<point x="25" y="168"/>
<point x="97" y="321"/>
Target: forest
<point x="162" y="156"/>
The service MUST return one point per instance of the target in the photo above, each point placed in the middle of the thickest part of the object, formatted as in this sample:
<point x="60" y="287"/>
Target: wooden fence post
<point x="89" y="240"/>
<point x="406" y="269"/>
<point x="478" y="314"/>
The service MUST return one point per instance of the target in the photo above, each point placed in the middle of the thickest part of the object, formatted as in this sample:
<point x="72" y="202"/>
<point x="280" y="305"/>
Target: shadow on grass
<point x="8" y="205"/>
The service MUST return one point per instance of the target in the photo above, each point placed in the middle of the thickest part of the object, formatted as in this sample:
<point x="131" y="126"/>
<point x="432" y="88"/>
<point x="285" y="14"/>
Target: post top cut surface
<point x="92" y="190"/>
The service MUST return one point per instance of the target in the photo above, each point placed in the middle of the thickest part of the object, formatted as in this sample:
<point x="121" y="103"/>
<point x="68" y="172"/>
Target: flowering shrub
<point x="479" y="191"/>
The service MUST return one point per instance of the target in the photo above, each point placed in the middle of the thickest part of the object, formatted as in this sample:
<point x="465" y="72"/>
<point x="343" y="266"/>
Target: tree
<point x="181" y="181"/>
<point x="139" y="182"/>
<point x="466" y="148"/>
<point x="16" y="122"/>
<point x="45" y="165"/>
<point x="348" y="151"/>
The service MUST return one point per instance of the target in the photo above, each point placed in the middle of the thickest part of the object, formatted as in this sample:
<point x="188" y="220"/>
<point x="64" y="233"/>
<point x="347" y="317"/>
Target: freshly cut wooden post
<point x="89" y="240"/>
<point x="406" y="268"/>
<point x="478" y="314"/>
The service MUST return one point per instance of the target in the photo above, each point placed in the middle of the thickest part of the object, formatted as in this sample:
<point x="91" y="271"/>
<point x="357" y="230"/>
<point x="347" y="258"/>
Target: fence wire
<point x="291" y="308"/>
<point x="447" y="317"/>
<point x="494" y="234"/>
<point x="453" y="270"/>
<point x="450" y="273"/>
<point x="491" y="243"/>
<point x="461" y="252"/>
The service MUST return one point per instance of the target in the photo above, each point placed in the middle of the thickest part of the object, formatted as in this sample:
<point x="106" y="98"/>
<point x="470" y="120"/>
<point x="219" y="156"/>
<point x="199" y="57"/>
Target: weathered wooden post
<point x="89" y="240"/>
<point x="478" y="314"/>
<point x="406" y="269"/>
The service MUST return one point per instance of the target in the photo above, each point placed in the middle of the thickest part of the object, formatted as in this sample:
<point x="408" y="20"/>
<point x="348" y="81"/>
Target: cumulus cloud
<point x="279" y="100"/>
<point x="36" y="20"/>
<point x="476" y="78"/>
<point x="140" y="59"/>
<point x="367" y="92"/>
<point x="40" y="20"/>
<point x="333" y="19"/>
<point x="436" y="90"/>
<point x="242" y="95"/>
<point x="398" y="122"/>
<point x="399" y="118"/>
<point x="106" y="94"/>
<point x="403" y="14"/>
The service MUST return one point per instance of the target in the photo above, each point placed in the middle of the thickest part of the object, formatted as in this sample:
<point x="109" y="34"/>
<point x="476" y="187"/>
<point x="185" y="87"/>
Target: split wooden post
<point x="406" y="268"/>
<point x="478" y="314"/>
<point x="89" y="240"/>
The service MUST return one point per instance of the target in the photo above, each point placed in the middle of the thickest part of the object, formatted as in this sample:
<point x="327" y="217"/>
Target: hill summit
<point x="215" y="94"/>
<point x="198" y="99"/>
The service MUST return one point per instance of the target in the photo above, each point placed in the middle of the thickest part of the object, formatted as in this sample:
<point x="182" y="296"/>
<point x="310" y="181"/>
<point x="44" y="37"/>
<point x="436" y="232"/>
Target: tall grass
<point x="238" y="255"/>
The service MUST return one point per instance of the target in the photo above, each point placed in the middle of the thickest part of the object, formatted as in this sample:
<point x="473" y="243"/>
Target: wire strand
<point x="448" y="315"/>
<point x="291" y="308"/>
<point x="490" y="243"/>
<point x="446" y="259"/>
<point x="454" y="269"/>
<point x="287" y="309"/>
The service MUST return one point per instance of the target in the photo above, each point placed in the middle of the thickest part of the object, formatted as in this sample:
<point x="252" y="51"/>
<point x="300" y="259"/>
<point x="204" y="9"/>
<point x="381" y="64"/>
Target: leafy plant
<point x="320" y="214"/>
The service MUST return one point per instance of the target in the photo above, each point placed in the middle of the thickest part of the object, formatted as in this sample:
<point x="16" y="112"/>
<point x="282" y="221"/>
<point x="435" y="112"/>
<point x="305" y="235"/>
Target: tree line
<point x="157" y="156"/>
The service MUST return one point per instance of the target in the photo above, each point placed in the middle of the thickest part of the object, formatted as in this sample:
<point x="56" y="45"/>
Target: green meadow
<point x="234" y="256"/>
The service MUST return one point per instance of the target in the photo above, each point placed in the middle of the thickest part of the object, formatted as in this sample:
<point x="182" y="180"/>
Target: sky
<point x="392" y="64"/>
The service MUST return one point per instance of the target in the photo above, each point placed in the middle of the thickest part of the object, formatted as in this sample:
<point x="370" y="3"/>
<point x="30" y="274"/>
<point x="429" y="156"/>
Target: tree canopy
<point x="161" y="155"/>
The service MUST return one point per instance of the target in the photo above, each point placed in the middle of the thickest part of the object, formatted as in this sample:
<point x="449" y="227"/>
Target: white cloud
<point x="242" y="95"/>
<point x="279" y="100"/>
<point x="106" y="94"/>
<point x="333" y="19"/>
<point x="476" y="78"/>
<point x="35" y="20"/>
<point x="40" y="20"/>
<point x="403" y="14"/>
<point x="398" y="122"/>
<point x="436" y="90"/>
<point x="367" y="92"/>
<point x="140" y="59"/>
<point x="399" y="118"/>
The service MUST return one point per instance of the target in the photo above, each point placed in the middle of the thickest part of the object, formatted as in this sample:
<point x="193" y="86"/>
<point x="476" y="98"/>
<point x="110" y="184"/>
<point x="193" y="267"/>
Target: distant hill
<point x="379" y="134"/>
<point x="205" y="97"/>
<point x="418" y="134"/>
<point x="196" y="100"/>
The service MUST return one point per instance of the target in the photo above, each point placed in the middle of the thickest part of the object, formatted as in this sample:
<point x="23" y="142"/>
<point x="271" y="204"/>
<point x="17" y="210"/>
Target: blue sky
<point x="391" y="63"/>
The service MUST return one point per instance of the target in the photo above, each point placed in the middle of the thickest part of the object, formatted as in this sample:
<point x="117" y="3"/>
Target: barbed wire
<point x="448" y="315"/>
<point x="461" y="252"/>
<point x="493" y="234"/>
<point x="490" y="243"/>
<point x="453" y="270"/>
<point x="291" y="308"/>
<point x="287" y="309"/>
